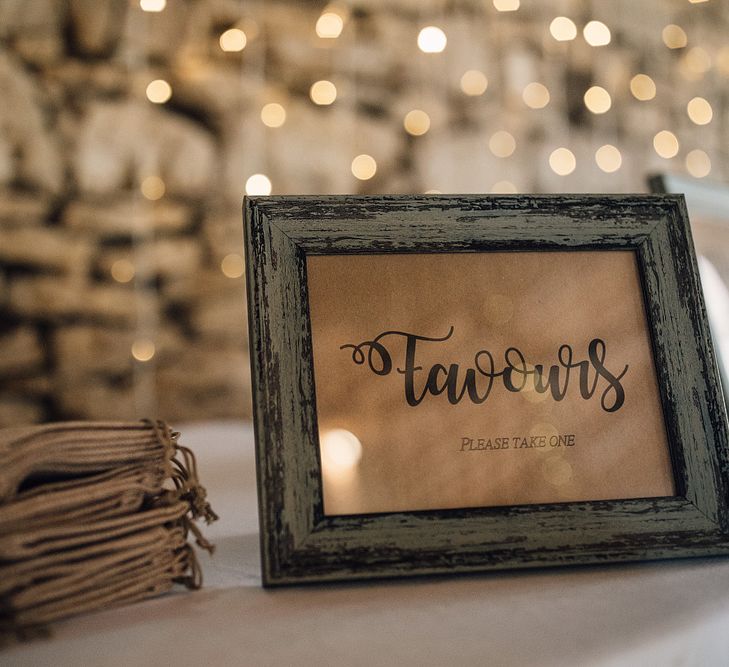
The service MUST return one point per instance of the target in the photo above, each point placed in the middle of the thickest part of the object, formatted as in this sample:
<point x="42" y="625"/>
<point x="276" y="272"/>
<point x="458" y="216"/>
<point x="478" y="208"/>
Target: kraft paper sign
<point x="484" y="379"/>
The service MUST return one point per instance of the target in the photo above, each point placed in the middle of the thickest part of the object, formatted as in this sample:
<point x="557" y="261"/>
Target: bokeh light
<point x="273" y="114"/>
<point x="232" y="265"/>
<point x="597" y="100"/>
<point x="122" y="270"/>
<point x="563" y="29"/>
<point x="432" y="40"/>
<point x="153" y="188"/>
<point x="608" y="158"/>
<point x="159" y="91"/>
<point x="506" y="5"/>
<point x="153" y="5"/>
<point x="233" y="40"/>
<point x="535" y="95"/>
<point x="596" y="33"/>
<point x="143" y="349"/>
<point x="340" y="449"/>
<point x="258" y="184"/>
<point x="674" y="36"/>
<point x="699" y="111"/>
<point x="698" y="163"/>
<point x="329" y="25"/>
<point x="502" y="144"/>
<point x="562" y="161"/>
<point x="416" y="122"/>
<point x="666" y="144"/>
<point x="323" y="92"/>
<point x="364" y="167"/>
<point x="642" y="87"/>
<point x="474" y="82"/>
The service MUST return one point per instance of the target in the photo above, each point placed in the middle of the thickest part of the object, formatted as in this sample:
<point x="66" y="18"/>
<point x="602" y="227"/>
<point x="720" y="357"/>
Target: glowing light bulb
<point x="323" y="92"/>
<point x="608" y="158"/>
<point x="563" y="29"/>
<point x="699" y="111"/>
<point x="416" y="122"/>
<point x="502" y="144"/>
<point x="535" y="95"/>
<point x="159" y="91"/>
<point x="258" y="184"/>
<point x="597" y="100"/>
<point x="153" y="188"/>
<point x="432" y="40"/>
<point x="642" y="87"/>
<point x="474" y="82"/>
<point x="143" y="349"/>
<point x="273" y="115"/>
<point x="233" y="40"/>
<point x="329" y="25"/>
<point x="340" y="449"/>
<point x="562" y="161"/>
<point x="596" y="33"/>
<point x="364" y="167"/>
<point x="698" y="163"/>
<point x="232" y="265"/>
<point x="666" y="144"/>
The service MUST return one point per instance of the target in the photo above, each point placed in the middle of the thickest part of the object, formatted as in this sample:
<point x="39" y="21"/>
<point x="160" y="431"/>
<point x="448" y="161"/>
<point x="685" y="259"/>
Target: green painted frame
<point x="300" y="544"/>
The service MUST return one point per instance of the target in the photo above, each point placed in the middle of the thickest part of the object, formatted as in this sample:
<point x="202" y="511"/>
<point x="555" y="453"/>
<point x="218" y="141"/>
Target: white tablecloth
<point x="670" y="613"/>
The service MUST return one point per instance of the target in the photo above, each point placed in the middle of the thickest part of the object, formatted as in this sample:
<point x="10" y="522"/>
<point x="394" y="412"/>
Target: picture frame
<point x="300" y="543"/>
<point x="708" y="207"/>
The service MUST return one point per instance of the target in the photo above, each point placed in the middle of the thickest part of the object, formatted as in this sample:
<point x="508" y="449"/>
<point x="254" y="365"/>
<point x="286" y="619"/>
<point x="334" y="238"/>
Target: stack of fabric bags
<point x="93" y="515"/>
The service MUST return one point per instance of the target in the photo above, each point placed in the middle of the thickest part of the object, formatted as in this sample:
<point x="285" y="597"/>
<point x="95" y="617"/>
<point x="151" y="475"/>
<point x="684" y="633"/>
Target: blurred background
<point x="131" y="129"/>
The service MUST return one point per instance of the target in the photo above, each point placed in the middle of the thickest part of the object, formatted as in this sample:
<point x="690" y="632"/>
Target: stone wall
<point x="120" y="219"/>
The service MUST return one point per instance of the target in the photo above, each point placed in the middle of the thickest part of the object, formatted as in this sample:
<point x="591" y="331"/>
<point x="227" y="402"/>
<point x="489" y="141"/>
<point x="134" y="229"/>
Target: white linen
<point x="668" y="613"/>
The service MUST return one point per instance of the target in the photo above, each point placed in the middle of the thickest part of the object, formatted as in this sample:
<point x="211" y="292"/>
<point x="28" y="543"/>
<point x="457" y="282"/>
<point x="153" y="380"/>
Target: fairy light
<point x="503" y="188"/>
<point x="364" y="167"/>
<point x="233" y="40"/>
<point x="563" y="29"/>
<point x="159" y="91"/>
<point x="143" y="349"/>
<point x="698" y="163"/>
<point x="432" y="40"/>
<point x="122" y="270"/>
<point x="535" y="95"/>
<point x="674" y="36"/>
<point x="608" y="158"/>
<point x="474" y="82"/>
<point x="416" y="122"/>
<point x="562" y="161"/>
<point x="329" y="25"/>
<point x="258" y="184"/>
<point x="323" y="92"/>
<point x="596" y="33"/>
<point x="597" y="100"/>
<point x="502" y="144"/>
<point x="153" y="5"/>
<point x="153" y="188"/>
<point x="642" y="87"/>
<point x="665" y="144"/>
<point x="506" y="5"/>
<point x="273" y="114"/>
<point x="232" y="265"/>
<point x="699" y="111"/>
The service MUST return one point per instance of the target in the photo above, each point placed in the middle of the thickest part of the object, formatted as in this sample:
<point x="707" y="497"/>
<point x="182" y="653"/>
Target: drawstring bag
<point x="94" y="515"/>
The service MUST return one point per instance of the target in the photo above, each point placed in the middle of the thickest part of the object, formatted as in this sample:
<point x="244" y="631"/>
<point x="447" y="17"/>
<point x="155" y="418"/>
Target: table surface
<point x="668" y="613"/>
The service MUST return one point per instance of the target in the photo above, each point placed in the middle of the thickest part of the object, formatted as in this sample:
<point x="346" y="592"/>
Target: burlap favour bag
<point x="94" y="515"/>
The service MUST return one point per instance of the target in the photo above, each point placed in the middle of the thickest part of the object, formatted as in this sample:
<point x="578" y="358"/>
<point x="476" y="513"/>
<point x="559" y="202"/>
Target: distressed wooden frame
<point x="300" y="544"/>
